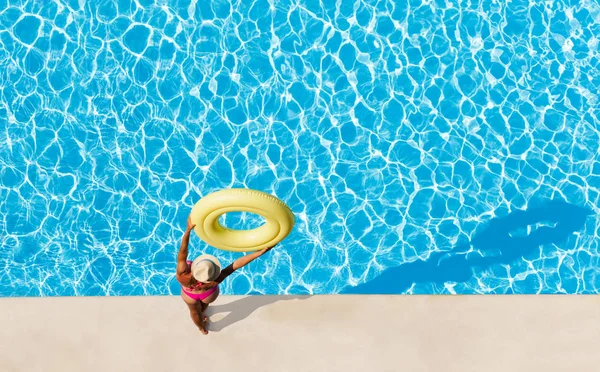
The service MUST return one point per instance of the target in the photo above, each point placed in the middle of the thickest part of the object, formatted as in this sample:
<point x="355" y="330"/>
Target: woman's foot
<point x="203" y="327"/>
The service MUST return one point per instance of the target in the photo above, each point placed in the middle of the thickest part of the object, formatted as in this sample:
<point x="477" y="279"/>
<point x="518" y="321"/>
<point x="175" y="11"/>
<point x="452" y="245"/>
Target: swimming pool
<point x="396" y="133"/>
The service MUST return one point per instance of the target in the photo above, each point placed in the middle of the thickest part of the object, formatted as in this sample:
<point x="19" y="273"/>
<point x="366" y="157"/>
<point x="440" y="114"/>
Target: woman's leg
<point x="196" y="312"/>
<point x="204" y="306"/>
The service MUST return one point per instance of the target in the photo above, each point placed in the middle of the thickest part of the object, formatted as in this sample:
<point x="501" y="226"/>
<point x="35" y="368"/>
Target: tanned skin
<point x="185" y="278"/>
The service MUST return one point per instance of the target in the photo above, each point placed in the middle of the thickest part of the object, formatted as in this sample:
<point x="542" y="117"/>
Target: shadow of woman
<point x="240" y="309"/>
<point x="502" y="241"/>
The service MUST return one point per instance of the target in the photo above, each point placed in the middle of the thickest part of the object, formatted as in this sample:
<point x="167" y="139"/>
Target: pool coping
<point x="303" y="333"/>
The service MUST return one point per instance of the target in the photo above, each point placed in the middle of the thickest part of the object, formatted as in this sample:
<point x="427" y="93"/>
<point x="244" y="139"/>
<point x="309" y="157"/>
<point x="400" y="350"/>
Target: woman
<point x="200" y="279"/>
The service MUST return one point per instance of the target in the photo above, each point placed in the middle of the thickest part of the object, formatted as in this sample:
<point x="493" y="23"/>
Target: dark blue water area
<point x="526" y="235"/>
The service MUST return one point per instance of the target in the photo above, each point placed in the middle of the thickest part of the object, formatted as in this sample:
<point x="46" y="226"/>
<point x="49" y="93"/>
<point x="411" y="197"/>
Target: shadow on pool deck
<point x="242" y="308"/>
<point x="496" y="244"/>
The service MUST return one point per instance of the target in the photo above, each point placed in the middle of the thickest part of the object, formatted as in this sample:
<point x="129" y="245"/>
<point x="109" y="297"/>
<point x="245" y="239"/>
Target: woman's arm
<point x="243" y="261"/>
<point x="240" y="262"/>
<point x="183" y="248"/>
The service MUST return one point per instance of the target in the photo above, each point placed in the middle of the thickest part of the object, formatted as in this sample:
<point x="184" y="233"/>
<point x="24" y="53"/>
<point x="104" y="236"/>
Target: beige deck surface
<point x="318" y="333"/>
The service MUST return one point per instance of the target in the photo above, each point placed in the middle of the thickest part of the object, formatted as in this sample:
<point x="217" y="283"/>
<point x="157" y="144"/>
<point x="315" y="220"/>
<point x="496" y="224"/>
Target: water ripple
<point x="392" y="129"/>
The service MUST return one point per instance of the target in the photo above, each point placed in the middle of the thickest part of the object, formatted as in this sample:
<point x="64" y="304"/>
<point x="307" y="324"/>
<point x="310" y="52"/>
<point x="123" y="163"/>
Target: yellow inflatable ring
<point x="206" y="213"/>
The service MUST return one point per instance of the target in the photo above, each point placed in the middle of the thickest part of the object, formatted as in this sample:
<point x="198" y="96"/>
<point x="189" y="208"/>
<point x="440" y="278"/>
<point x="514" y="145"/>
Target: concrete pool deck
<point x="302" y="333"/>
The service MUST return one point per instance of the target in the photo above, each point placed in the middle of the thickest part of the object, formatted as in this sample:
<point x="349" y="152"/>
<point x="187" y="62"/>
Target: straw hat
<point x="206" y="268"/>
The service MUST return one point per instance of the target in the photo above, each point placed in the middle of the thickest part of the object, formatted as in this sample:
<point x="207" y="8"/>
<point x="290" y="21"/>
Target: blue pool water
<point x="425" y="146"/>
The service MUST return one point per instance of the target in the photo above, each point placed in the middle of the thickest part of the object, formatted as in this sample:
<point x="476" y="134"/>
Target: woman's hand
<point x="190" y="225"/>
